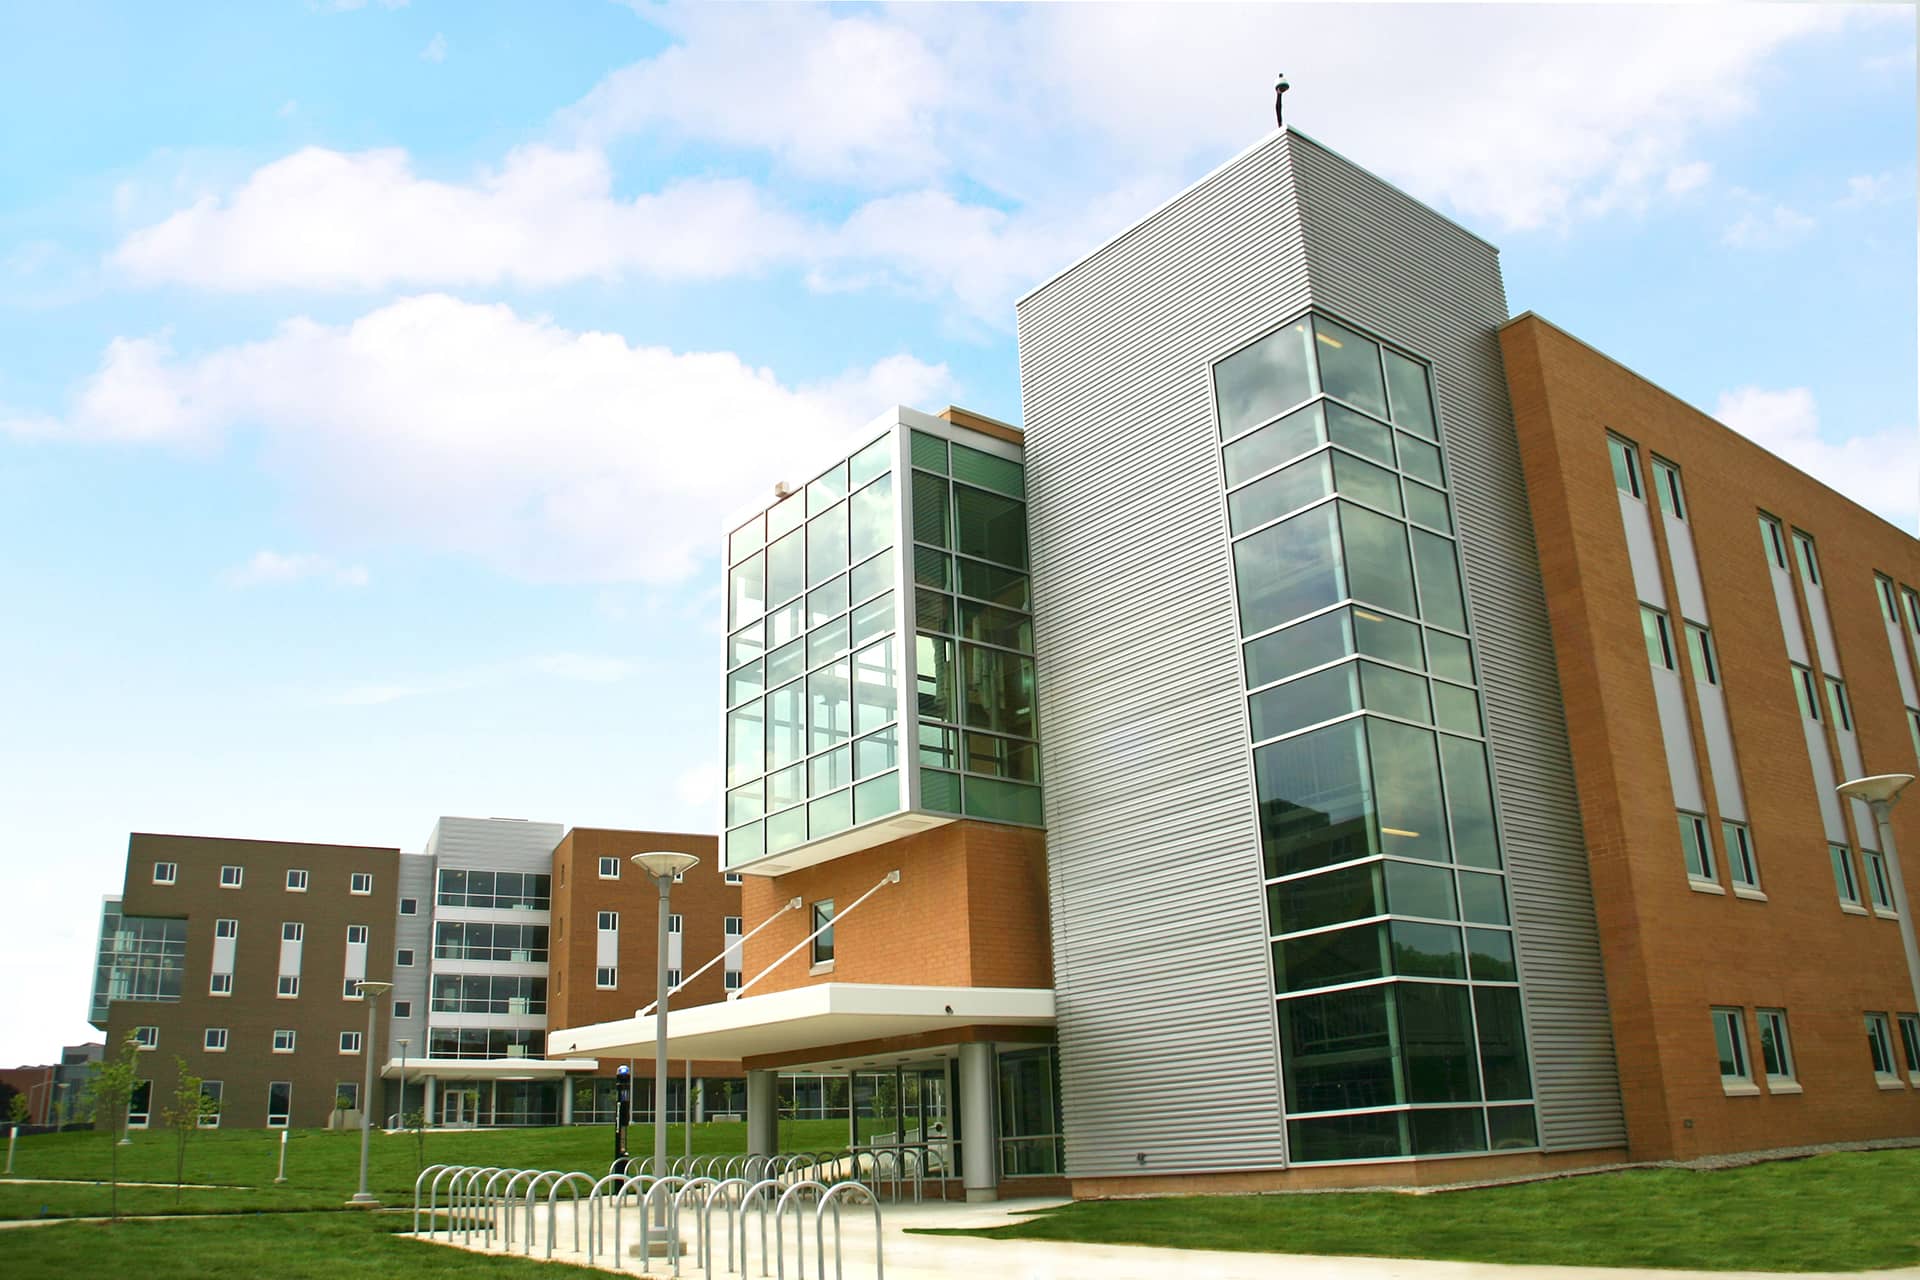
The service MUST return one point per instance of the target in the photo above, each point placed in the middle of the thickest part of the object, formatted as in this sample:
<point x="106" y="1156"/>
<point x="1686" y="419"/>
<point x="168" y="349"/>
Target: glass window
<point x="870" y="577"/>
<point x="1878" y="886"/>
<point x="1420" y="889"/>
<point x="1880" y="1045"/>
<point x="1350" y="367"/>
<point x="788" y="661"/>
<point x="1313" y="799"/>
<point x="1456" y="708"/>
<point x="1324" y="695"/>
<point x="1693" y="845"/>
<point x="1331" y="897"/>
<point x="279" y="1103"/>
<point x="874" y="695"/>
<point x="1376" y="1135"/>
<point x="1427" y="506"/>
<point x="929" y="451"/>
<point x="1419" y="459"/>
<point x="1001" y="757"/>
<point x="1436" y="1031"/>
<point x="1843" y="879"/>
<point x="1776" y="1050"/>
<point x="932" y="610"/>
<point x="1280" y="654"/>
<point x="1263" y="379"/>
<point x="1666" y="486"/>
<point x="1394" y="692"/>
<point x="930" y="509"/>
<point x="1299" y="432"/>
<point x="1730" y="1042"/>
<point x="1503" y="1042"/>
<point x="990" y="526"/>
<point x="1451" y="657"/>
<point x="827" y="601"/>
<point x="296" y="881"/>
<point x="827" y="642"/>
<point x="1803" y="692"/>
<point x="1273" y="496"/>
<point x="1476" y="843"/>
<point x="876" y="797"/>
<point x="787" y="787"/>
<point x="786" y="725"/>
<point x="1482" y="898"/>
<point x="1288" y="569"/>
<point x="743" y="804"/>
<point x="1427" y="950"/>
<point x="230" y="877"/>
<point x="877" y="753"/>
<point x="1909" y="1044"/>
<point x="1441" y="600"/>
<point x="827" y="544"/>
<point x="786" y="567"/>
<point x="1000" y="801"/>
<point x="988" y="470"/>
<point x="1338" y="1053"/>
<point x="1809" y="559"/>
<point x="830" y="770"/>
<point x="1374" y="549"/>
<point x="745" y="735"/>
<point x="1626" y="465"/>
<point x="934" y="678"/>
<point x="826" y="489"/>
<point x="1741" y="864"/>
<point x="1358" y="432"/>
<point x="1406" y="790"/>
<point x="823" y="929"/>
<point x="1491" y="951"/>
<point x="746" y="590"/>
<point x="990" y="582"/>
<point x="786" y="515"/>
<point x="999" y="690"/>
<point x="1331" y="959"/>
<point x="1412" y="401"/>
<point x="748" y="538"/>
<point x="1658" y="633"/>
<point x="1366" y="482"/>
<point x="1706" y="666"/>
<point x="1774" y="541"/>
<point x="940" y="791"/>
<point x="1837" y="700"/>
<point x="874" y="460"/>
<point x="829" y="706"/>
<point x="871" y="514"/>
<point x="166" y="872"/>
<point x="744" y="682"/>
<point x="873" y="618"/>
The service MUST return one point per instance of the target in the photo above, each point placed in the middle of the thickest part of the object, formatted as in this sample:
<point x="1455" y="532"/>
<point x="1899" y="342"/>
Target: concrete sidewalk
<point x="921" y="1257"/>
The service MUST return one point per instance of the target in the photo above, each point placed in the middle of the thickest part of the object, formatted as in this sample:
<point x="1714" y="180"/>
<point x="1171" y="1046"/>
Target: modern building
<point x="1436" y="784"/>
<point x="243" y="958"/>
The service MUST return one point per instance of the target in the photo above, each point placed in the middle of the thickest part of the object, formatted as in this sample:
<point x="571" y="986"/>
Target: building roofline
<point x="291" y="844"/>
<point x="1748" y="441"/>
<point x="1265" y="141"/>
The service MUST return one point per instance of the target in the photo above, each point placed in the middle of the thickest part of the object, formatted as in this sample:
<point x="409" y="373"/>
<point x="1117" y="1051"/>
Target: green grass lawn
<point x="303" y="1246"/>
<point x="1849" y="1211"/>
<point x="323" y="1167"/>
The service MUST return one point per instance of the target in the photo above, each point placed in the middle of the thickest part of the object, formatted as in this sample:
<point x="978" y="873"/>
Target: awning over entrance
<point x="486" y="1068"/>
<point x="818" y="1016"/>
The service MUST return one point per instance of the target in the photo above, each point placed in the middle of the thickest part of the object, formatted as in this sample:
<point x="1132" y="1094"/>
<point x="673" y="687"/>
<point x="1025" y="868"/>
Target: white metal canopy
<point x="811" y="1017"/>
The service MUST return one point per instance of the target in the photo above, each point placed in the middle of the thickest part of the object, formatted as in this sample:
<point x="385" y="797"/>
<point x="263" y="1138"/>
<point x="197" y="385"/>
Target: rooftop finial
<point x="1280" y="88"/>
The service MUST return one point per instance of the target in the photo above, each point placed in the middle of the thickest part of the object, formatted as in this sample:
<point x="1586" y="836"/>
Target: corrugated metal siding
<point x="1394" y="266"/>
<point x="1165" y="1003"/>
<point x="495" y="844"/>
<point x="415" y="932"/>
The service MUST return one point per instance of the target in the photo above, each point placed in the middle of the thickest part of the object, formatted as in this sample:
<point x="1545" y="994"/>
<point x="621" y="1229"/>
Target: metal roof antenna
<point x="1280" y="88"/>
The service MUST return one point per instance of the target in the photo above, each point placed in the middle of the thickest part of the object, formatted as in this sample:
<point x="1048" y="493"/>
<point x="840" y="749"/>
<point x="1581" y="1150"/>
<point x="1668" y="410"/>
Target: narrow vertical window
<point x="1666" y="483"/>
<point x="1880" y="1046"/>
<point x="823" y="926"/>
<point x="1774" y="541"/>
<point x="1878" y="883"/>
<point x="1693" y="843"/>
<point x="1809" y="559"/>
<point x="1910" y="1045"/>
<point x="1659" y="636"/>
<point x="1843" y="878"/>
<point x="1842" y="709"/>
<point x="1803" y="692"/>
<point x="1626" y="465"/>
<point x="1741" y="865"/>
<point x="1730" y="1040"/>
<point x="1883" y="587"/>
<point x="1776" y="1050"/>
<point x="1706" y="663"/>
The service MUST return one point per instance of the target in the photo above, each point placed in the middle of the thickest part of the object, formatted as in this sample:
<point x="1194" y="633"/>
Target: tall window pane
<point x="1287" y="570"/>
<point x="870" y="512"/>
<point x="990" y="526"/>
<point x="999" y="690"/>
<point x="1349" y="366"/>
<point x="1412" y="401"/>
<point x="1313" y="796"/>
<point x="1263" y="379"/>
<point x="1376" y="559"/>
<point x="1406" y="789"/>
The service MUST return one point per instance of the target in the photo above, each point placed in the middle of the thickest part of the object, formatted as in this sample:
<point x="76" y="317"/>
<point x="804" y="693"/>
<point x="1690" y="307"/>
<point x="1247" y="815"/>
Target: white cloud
<point x="322" y="219"/>
<point x="1866" y="189"/>
<point x="1772" y="227"/>
<point x="551" y="454"/>
<point x="271" y="568"/>
<point x="1878" y="469"/>
<point x="436" y="50"/>
<point x="1688" y="177"/>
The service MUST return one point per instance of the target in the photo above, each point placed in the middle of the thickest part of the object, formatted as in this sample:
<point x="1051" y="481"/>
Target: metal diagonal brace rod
<point x="793" y="904"/>
<point x="892" y="877"/>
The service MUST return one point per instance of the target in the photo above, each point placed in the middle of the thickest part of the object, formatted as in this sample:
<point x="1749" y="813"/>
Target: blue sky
<point x="373" y="376"/>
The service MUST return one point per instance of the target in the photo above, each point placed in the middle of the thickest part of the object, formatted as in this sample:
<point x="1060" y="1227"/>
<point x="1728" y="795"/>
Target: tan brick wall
<point x="1671" y="953"/>
<point x="254" y="1011"/>
<point x="970" y="911"/>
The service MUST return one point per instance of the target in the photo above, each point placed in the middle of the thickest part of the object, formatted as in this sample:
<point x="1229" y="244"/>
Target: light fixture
<point x="1881" y="786"/>
<point x="1395" y="831"/>
<point x="665" y="863"/>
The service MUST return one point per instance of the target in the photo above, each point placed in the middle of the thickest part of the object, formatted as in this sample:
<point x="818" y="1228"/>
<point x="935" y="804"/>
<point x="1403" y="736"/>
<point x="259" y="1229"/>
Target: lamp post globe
<point x="662" y="867"/>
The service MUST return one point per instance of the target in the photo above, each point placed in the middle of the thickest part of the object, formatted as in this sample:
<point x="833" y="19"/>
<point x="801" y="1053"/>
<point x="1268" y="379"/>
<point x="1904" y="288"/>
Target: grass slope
<point x="1848" y="1211"/>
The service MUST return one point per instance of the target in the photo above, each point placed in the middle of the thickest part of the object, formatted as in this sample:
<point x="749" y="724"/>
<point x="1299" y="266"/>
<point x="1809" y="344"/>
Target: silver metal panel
<point x="1721" y="761"/>
<point x="1686" y="570"/>
<point x="1394" y="266"/>
<point x="1168" y="1051"/>
<point x="1823" y="631"/>
<point x="1864" y="826"/>
<point x="1902" y="664"/>
<point x="494" y="844"/>
<point x="415" y="933"/>
<point x="1789" y="615"/>
<point x="1824" y="781"/>
<point x="1640" y="550"/>
<point x="1682" y="770"/>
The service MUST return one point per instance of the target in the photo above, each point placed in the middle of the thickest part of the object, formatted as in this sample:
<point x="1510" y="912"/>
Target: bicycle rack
<point x="817" y="1189"/>
<point x="819" y="1231"/>
<point x="572" y="1182"/>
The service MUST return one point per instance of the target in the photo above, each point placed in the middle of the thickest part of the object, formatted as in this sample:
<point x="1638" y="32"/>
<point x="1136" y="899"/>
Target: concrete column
<point x="427" y="1106"/>
<point x="566" y="1099"/>
<point x="979" y="1151"/>
<point x="763" y="1113"/>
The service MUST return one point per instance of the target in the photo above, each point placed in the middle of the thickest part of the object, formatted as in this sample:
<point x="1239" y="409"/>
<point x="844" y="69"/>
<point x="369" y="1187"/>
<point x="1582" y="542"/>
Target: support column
<point x="763" y="1113"/>
<point x="427" y="1107"/>
<point x="566" y="1099"/>
<point x="979" y="1151"/>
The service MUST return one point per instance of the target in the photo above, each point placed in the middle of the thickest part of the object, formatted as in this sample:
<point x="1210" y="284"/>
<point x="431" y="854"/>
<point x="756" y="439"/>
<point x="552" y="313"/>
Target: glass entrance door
<point x="456" y="1109"/>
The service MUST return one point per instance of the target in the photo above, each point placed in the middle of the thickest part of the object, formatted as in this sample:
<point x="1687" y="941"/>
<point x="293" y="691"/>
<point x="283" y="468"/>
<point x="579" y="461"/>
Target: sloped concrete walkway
<point x="909" y="1256"/>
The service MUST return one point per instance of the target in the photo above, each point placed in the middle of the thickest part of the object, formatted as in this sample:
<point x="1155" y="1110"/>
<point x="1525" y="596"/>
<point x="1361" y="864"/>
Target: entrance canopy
<point x="485" y="1068"/>
<point x="812" y="1017"/>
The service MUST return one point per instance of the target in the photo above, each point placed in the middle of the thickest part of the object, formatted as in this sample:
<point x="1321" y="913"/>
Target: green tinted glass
<point x="989" y="471"/>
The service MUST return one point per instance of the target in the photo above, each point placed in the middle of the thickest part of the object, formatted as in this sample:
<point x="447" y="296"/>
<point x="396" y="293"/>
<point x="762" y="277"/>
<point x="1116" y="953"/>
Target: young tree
<point x="184" y="1111"/>
<point x="110" y="1092"/>
<point x="416" y="1120"/>
<point x="17" y="1108"/>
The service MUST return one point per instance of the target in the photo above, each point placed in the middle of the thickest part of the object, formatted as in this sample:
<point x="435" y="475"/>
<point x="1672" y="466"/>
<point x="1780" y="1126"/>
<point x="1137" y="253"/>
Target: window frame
<point x="1807" y="693"/>
<point x="1732" y="1019"/>
<point x="284" y="1119"/>
<point x="1880" y="1044"/>
<point x="606" y="862"/>
<point x="1663" y="631"/>
<point x="353" y="1039"/>
<point x="1807" y="554"/>
<point x="297" y="879"/>
<point x="606" y="978"/>
<point x="1743" y="864"/>
<point x="357" y="879"/>
<point x="288" y="987"/>
<point x="1695" y="824"/>
<point x="403" y="957"/>
<point x="1908" y="1025"/>
<point x="293" y="931"/>
<point x="1879" y="883"/>
<point x="364" y="932"/>
<point x="215" y="986"/>
<point x="402" y="1009"/>
<point x="1773" y="536"/>
<point x="1839" y="703"/>
<point x="239" y="877"/>
<point x="1841" y="856"/>
<point x="820" y="949"/>
<point x="1625" y="462"/>
<point x="1783" y="1041"/>
<point x="214" y="1039"/>
<point x="1700" y="648"/>
<point x="147" y="1037"/>
<point x="286" y="1040"/>
<point x="1666" y="483"/>
<point x="226" y="928"/>
<point x="166" y="873"/>
<point x="409" y="906"/>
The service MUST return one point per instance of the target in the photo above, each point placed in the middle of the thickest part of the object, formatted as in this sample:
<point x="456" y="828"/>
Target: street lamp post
<point x="661" y="868"/>
<point x="1879" y="792"/>
<point x="371" y="993"/>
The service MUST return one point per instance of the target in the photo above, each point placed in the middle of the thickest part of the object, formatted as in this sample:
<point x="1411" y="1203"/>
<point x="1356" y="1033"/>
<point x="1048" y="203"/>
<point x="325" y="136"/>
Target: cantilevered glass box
<point x="879" y="668"/>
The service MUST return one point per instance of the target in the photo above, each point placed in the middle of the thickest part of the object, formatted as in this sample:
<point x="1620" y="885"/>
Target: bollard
<point x="282" y="1175"/>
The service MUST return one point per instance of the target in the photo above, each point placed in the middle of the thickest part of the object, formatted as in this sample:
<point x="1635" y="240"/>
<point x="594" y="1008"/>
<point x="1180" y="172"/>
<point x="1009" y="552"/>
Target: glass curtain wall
<point x="1393" y="955"/>
<point x="812" y="735"/>
<point x="973" y="634"/>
